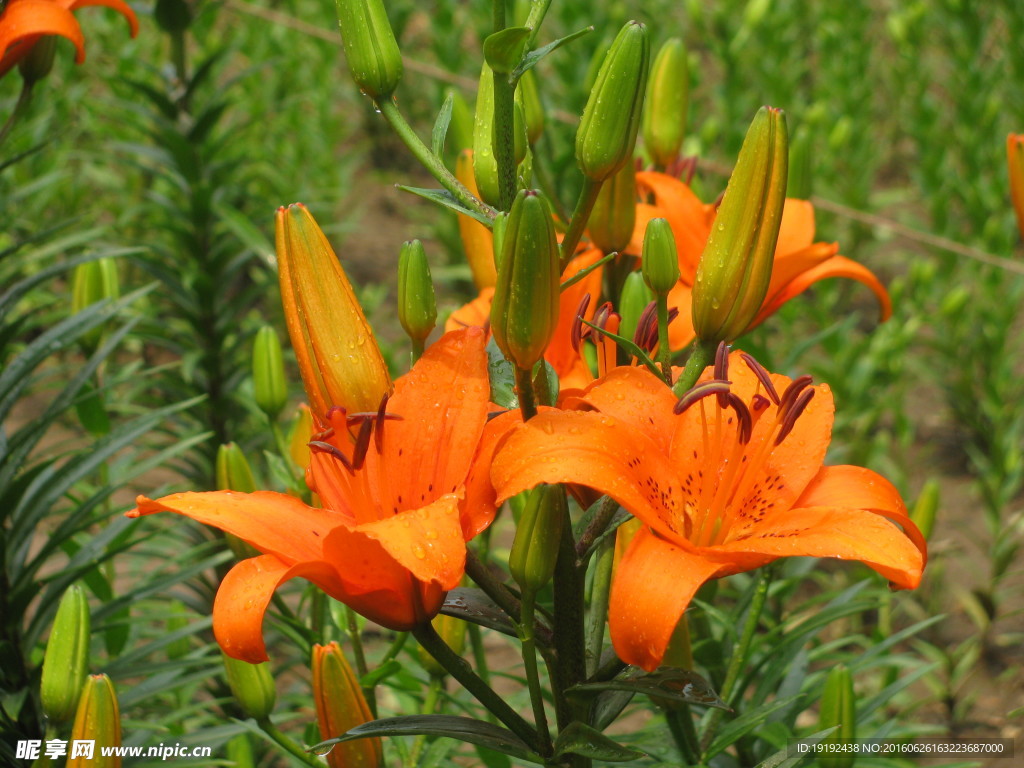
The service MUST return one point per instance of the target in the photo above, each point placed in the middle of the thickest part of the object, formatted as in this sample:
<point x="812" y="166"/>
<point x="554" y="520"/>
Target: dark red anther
<point x="762" y="375"/>
<point x="577" y="333"/>
<point x="362" y="444"/>
<point x="798" y="385"/>
<point x="319" y="446"/>
<point x="646" y="334"/>
<point x="746" y="423"/>
<point x="793" y="413"/>
<point x="722" y="369"/>
<point x="705" y="389"/>
<point x="600" y="319"/>
<point x="378" y="435"/>
<point x="759" y="403"/>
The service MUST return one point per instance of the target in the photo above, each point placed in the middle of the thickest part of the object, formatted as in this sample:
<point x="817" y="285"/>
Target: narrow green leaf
<point x="587" y="270"/>
<point x="478" y="732"/>
<point x="629" y="347"/>
<point x="666" y="683"/>
<point x="444" y="119"/>
<point x="580" y="739"/>
<point x="743" y="725"/>
<point x="445" y="199"/>
<point x="781" y="759"/>
<point x="474" y="605"/>
<point x="531" y="59"/>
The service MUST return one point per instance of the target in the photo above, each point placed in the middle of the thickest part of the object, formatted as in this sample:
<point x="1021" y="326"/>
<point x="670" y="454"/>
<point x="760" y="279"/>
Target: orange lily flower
<point x="400" y="500"/>
<point x="725" y="480"/>
<point x="23" y="22"/>
<point x="799" y="261"/>
<point x="572" y="370"/>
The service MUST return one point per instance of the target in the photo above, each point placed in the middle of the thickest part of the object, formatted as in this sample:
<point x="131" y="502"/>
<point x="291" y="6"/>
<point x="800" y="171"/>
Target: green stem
<point x="600" y="589"/>
<point x="396" y="646"/>
<point x="352" y="630"/>
<point x="504" y="127"/>
<point x="701" y="357"/>
<point x="580" y="217"/>
<point x="568" y="631"/>
<point x="680" y="725"/>
<point x="317" y="610"/>
<point x="461" y="671"/>
<point x="493" y="588"/>
<point x="417" y="349"/>
<point x="24" y="98"/>
<point x="739" y="656"/>
<point x="535" y="19"/>
<point x="598" y="525"/>
<point x="429" y="706"/>
<point x="287" y="744"/>
<point x="664" y="350"/>
<point x="524" y="389"/>
<point x="529" y="647"/>
<point x="389" y="110"/>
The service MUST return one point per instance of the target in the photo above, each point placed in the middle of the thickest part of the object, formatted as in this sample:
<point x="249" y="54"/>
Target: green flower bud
<point x="633" y="301"/>
<point x="233" y="473"/>
<point x="660" y="262"/>
<point x="93" y="282"/>
<point x="485" y="161"/>
<point x="538" y="533"/>
<point x="521" y="143"/>
<point x="453" y="631"/>
<point x="525" y="308"/>
<point x="173" y="16"/>
<point x="614" y="214"/>
<point x="736" y="266"/>
<point x="98" y="719"/>
<point x="800" y="155"/>
<point x="240" y="753"/>
<point x="664" y="121"/>
<point x="251" y="685"/>
<point x="370" y="47"/>
<point x="533" y="107"/>
<point x="607" y="132"/>
<point x="498" y="237"/>
<point x="838" y="707"/>
<point x="66" y="661"/>
<point x="927" y="505"/>
<point x="39" y="61"/>
<point x="270" y="387"/>
<point x="417" y="311"/>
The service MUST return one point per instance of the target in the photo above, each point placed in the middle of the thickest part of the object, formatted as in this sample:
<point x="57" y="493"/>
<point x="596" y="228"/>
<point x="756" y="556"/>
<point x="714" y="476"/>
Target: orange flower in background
<point x="400" y="500"/>
<point x="730" y="484"/>
<point x="340" y="705"/>
<point x="1015" y="160"/>
<point x="23" y="22"/>
<point x="799" y="261"/>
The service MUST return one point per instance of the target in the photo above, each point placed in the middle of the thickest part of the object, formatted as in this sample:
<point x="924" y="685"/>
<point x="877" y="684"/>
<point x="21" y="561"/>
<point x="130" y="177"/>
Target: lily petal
<point x="592" y="449"/>
<point x="653" y="584"/>
<point x="847" y="534"/>
<point x="476" y="313"/>
<point x="837" y="266"/>
<point x="680" y="330"/>
<point x="689" y="218"/>
<point x="636" y="398"/>
<point x="480" y="505"/>
<point x="23" y="22"/>
<point x="245" y="593"/>
<point x="796" y="231"/>
<point x="274" y="523"/>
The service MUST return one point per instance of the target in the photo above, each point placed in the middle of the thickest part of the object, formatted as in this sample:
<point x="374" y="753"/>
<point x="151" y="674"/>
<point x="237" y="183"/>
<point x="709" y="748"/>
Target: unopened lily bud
<point x="173" y="16"/>
<point x="66" y="661"/>
<point x="838" y="708"/>
<point x="1015" y="156"/>
<point x="485" y="160"/>
<point x="251" y="685"/>
<point x="660" y="261"/>
<point x="233" y="471"/>
<point x="370" y="47"/>
<point x="340" y="706"/>
<point x="299" y="435"/>
<point x="477" y="240"/>
<point x="613" y="217"/>
<point x="453" y="631"/>
<point x="533" y="107"/>
<point x="664" y="122"/>
<point x="633" y="301"/>
<point x="98" y="719"/>
<point x="521" y="142"/>
<point x="607" y="133"/>
<point x="538" y="533"/>
<point x="93" y="282"/>
<point x="270" y="387"/>
<point x="460" y="129"/>
<point x="240" y="753"/>
<point x="39" y="60"/>
<point x="801" y="180"/>
<point x="338" y="356"/>
<point x="417" y="311"/>
<point x="924" y="511"/>
<point x="498" y="237"/>
<point x="736" y="266"/>
<point x="525" y="308"/>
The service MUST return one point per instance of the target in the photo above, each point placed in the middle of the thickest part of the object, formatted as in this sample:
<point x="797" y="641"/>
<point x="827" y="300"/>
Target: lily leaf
<point x="503" y="50"/>
<point x="474" y="605"/>
<point x="666" y="683"/>
<point x="374" y="677"/>
<point x="477" y="732"/>
<point x="784" y="759"/>
<point x="580" y="739"/>
<point x="531" y="59"/>
<point x="502" y="377"/>
<point x="629" y="347"/>
<point x="445" y="198"/>
<point x="444" y="119"/>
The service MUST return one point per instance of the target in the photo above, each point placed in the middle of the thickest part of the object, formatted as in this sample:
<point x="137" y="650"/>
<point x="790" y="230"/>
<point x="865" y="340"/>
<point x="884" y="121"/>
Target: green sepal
<point x="503" y="51"/>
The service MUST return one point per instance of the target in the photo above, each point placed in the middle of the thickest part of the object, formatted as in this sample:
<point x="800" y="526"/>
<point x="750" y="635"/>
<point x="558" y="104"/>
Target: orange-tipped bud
<point x="477" y="239"/>
<point x="525" y="308"/>
<point x="98" y="720"/>
<point x="337" y="353"/>
<point x="1015" y="155"/>
<point x="340" y="705"/>
<point x="736" y="266"/>
<point x="299" y="435"/>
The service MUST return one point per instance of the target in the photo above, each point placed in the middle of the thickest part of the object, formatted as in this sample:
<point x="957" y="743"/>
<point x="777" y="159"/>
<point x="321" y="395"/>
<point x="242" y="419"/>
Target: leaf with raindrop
<point x="666" y="683"/>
